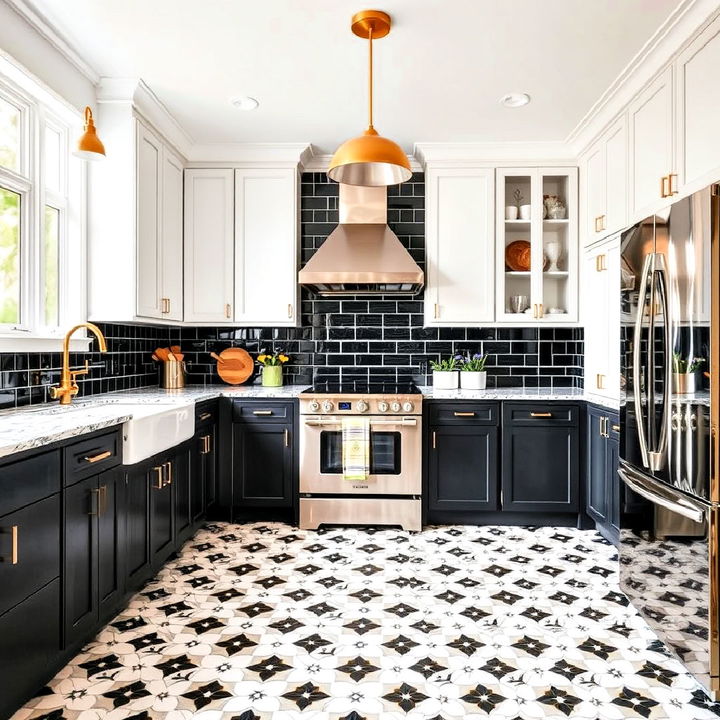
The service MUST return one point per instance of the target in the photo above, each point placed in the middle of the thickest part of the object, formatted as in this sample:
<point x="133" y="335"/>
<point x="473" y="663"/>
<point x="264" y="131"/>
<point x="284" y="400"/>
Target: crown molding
<point x="41" y="25"/>
<point x="135" y="92"/>
<point x="249" y="154"/>
<point x="491" y="153"/>
<point x="655" y="55"/>
<point x="321" y="162"/>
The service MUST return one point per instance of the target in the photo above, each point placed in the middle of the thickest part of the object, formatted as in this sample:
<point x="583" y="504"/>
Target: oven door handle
<point x="321" y="422"/>
<point x="660" y="495"/>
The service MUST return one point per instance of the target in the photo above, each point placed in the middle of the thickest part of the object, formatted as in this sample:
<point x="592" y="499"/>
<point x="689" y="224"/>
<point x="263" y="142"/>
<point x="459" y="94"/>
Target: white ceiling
<point x="439" y="74"/>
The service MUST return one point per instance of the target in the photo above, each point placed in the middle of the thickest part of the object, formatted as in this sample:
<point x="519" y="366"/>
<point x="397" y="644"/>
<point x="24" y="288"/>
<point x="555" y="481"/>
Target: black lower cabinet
<point x="93" y="579"/>
<point x="462" y="458"/>
<point x="204" y="476"/>
<point x="181" y="479"/>
<point x="162" y="538"/>
<point x="541" y="458"/>
<point x="138" y="566"/>
<point x="603" y="484"/>
<point x="262" y="455"/>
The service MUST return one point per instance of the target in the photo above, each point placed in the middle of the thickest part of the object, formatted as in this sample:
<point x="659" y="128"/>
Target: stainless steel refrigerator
<point x="669" y="455"/>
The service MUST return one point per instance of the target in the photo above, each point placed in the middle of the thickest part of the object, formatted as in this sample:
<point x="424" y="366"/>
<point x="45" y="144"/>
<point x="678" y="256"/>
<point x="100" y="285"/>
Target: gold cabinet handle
<point x="94" y="501"/>
<point x="165" y="306"/>
<point x="98" y="457"/>
<point x="541" y="414"/>
<point x="541" y="312"/>
<point x="290" y="310"/>
<point x="102" y="500"/>
<point x="598" y="226"/>
<point x="262" y="412"/>
<point x="159" y="480"/>
<point x="616" y="428"/>
<point x="600" y="381"/>
<point x="13" y="559"/>
<point x="672" y="187"/>
<point x="464" y="414"/>
<point x="665" y="182"/>
<point x="535" y="310"/>
<point x="206" y="444"/>
<point x="228" y="310"/>
<point x="169" y="474"/>
<point x="437" y="311"/>
<point x="205" y="416"/>
<point x="434" y="440"/>
<point x="287" y="437"/>
<point x="600" y="262"/>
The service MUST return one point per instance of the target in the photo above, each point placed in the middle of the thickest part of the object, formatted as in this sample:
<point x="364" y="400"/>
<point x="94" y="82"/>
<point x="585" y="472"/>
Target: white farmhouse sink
<point x="155" y="428"/>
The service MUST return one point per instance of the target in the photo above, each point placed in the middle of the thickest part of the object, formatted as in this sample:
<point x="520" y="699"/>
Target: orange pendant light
<point x="370" y="159"/>
<point x="89" y="146"/>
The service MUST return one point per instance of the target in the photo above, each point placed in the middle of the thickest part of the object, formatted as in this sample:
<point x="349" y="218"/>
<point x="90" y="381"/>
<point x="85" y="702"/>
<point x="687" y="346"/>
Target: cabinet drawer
<point x="244" y="411"/>
<point x="27" y="481"/>
<point x="540" y="413"/>
<point x="30" y="550"/>
<point x="29" y="646"/>
<point x="206" y="412"/>
<point x="464" y="413"/>
<point x="92" y="456"/>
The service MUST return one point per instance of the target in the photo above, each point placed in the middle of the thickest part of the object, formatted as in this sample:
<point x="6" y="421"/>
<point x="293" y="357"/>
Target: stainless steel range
<point x="390" y="491"/>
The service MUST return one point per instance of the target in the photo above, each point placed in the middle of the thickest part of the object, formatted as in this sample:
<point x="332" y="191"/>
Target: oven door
<point x="395" y="457"/>
<point x="669" y="569"/>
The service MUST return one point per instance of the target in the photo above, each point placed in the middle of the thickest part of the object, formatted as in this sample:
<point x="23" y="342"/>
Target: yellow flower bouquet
<point x="267" y="359"/>
<point x="272" y="367"/>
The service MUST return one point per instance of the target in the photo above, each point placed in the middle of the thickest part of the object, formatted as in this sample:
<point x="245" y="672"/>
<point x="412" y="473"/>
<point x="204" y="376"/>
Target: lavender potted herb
<point x="472" y="371"/>
<point x="445" y="374"/>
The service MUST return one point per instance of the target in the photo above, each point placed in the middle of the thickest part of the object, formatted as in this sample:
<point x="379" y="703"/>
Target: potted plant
<point x="272" y="363"/>
<point x="445" y="374"/>
<point x="684" y="370"/>
<point x="472" y="371"/>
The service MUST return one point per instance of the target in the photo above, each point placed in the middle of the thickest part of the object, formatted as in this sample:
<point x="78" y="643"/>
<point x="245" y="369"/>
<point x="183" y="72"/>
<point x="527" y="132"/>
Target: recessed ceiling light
<point x="245" y="102"/>
<point x="514" y="100"/>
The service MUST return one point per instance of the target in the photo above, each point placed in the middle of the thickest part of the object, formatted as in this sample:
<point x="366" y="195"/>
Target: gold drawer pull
<point x="616" y="428"/>
<point x="205" y="444"/>
<point x="205" y="416"/>
<point x="158" y="485"/>
<point x="262" y="412"/>
<point x="464" y="414"/>
<point x="600" y="381"/>
<point x="98" y="457"/>
<point x="169" y="473"/>
<point x="672" y="178"/>
<point x="287" y="438"/>
<point x="290" y="311"/>
<point x="102" y="500"/>
<point x="13" y="532"/>
<point x="434" y="440"/>
<point x="541" y="414"/>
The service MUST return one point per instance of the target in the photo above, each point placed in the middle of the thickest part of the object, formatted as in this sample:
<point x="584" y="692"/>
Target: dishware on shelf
<point x="525" y="211"/>
<point x="553" y="252"/>
<point x="517" y="255"/>
<point x="556" y="311"/>
<point x="511" y="212"/>
<point x="555" y="208"/>
<point x="519" y="303"/>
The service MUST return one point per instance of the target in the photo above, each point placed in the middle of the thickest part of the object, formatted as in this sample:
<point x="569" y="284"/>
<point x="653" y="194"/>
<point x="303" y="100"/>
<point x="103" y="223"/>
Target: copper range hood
<point x="362" y="255"/>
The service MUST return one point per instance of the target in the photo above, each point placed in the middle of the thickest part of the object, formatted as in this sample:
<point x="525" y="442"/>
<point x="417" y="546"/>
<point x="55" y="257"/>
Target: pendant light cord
<point x="370" y="79"/>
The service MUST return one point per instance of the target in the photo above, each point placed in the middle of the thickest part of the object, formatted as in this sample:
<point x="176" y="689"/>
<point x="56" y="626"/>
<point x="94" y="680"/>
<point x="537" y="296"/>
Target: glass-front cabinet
<point x="537" y="263"/>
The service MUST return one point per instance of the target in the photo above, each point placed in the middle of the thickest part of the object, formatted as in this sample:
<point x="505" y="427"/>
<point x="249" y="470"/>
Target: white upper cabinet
<point x="266" y="247"/>
<point x="604" y="182"/>
<point x="653" y="176"/>
<point x="460" y="258"/>
<point x="698" y="110"/>
<point x="209" y="246"/>
<point x="171" y="301"/>
<point x="537" y="263"/>
<point x="601" y="312"/>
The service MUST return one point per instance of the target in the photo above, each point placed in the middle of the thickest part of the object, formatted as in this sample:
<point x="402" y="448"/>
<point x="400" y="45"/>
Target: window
<point x="42" y="285"/>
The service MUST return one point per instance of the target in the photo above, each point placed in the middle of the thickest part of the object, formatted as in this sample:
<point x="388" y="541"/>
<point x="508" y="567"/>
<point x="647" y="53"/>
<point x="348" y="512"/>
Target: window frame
<point x="40" y="109"/>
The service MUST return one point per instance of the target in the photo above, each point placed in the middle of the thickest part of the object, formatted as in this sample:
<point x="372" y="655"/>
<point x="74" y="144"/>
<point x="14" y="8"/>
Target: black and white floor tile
<point x="253" y="622"/>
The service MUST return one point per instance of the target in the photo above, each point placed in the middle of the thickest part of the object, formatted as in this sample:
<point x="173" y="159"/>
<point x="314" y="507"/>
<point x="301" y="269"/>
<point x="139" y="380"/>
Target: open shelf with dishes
<point x="536" y="245"/>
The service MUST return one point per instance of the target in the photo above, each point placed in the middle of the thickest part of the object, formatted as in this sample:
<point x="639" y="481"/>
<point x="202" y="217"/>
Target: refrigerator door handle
<point x="637" y="355"/>
<point x="662" y="495"/>
<point x="658" y="454"/>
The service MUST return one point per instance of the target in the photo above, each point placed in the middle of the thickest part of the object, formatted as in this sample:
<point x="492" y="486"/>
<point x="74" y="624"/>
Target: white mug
<point x="525" y="212"/>
<point x="511" y="212"/>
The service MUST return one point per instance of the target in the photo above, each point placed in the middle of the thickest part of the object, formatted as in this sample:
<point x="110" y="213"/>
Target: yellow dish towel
<point x="355" y="448"/>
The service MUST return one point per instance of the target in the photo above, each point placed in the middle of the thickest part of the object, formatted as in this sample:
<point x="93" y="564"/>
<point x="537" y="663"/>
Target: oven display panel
<point x="344" y="406"/>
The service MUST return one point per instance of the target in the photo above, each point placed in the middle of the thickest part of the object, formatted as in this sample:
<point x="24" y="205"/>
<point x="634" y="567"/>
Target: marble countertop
<point x="432" y="393"/>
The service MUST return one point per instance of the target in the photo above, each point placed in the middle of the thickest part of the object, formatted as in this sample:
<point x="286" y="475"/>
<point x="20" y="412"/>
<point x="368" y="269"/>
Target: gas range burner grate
<point x="362" y="388"/>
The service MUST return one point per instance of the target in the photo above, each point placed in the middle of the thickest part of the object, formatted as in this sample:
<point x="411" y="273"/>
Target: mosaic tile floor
<point x="266" y="621"/>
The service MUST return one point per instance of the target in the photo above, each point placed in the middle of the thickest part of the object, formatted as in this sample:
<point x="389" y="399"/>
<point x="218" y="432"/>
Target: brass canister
<point x="173" y="375"/>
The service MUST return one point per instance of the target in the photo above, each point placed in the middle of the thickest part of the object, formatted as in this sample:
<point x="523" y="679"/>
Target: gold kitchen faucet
<point x="68" y="387"/>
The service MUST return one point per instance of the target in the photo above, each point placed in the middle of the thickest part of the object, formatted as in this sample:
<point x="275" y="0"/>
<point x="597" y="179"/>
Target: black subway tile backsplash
<point x="349" y="338"/>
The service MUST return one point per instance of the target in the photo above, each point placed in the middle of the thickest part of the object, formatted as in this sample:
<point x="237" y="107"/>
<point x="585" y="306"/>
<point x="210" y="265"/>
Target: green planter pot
<point x="272" y="376"/>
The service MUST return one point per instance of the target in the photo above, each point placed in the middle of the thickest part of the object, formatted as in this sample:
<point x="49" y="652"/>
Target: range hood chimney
<point x="362" y="255"/>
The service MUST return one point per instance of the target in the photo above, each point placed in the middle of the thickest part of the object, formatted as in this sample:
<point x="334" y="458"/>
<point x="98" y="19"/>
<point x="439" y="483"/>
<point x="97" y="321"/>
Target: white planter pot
<point x="445" y="379"/>
<point x="473" y="380"/>
<point x="525" y="212"/>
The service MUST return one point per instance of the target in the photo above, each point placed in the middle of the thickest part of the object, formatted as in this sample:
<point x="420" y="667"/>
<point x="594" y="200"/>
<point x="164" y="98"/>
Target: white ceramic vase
<point x="445" y="379"/>
<point x="553" y="251"/>
<point x="473" y="380"/>
<point x="511" y="212"/>
<point x="525" y="211"/>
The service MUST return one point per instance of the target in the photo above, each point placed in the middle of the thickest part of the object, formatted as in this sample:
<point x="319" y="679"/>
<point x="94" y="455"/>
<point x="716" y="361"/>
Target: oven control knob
<point x="395" y="406"/>
<point x="327" y="406"/>
<point x="382" y="406"/>
<point x="314" y="406"/>
<point x="362" y="406"/>
<point x="407" y="407"/>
